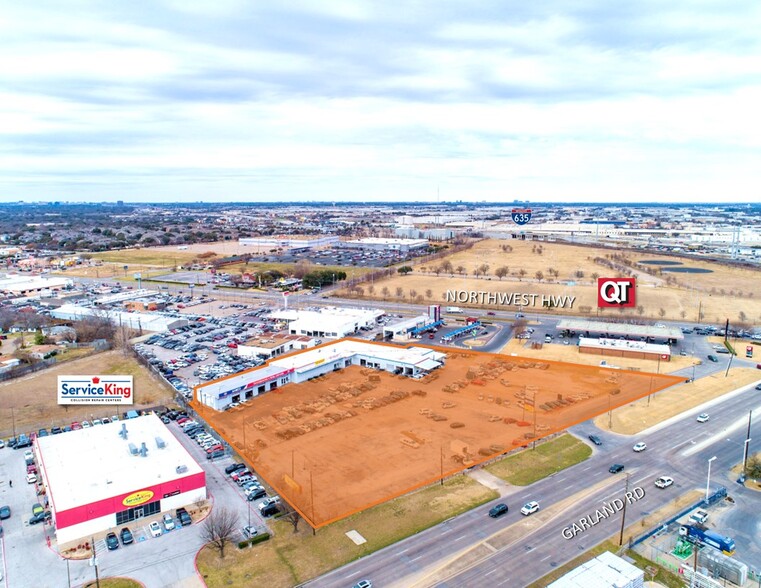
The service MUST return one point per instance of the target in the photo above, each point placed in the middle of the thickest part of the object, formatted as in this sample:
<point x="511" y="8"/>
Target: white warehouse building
<point x="381" y="244"/>
<point x="97" y="480"/>
<point x="145" y="321"/>
<point x="328" y="323"/>
<point x="302" y="366"/>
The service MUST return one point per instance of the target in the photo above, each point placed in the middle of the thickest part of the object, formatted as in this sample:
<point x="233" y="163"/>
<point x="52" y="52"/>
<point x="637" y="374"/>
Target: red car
<point x="75" y="426"/>
<point x="232" y="345"/>
<point x="214" y="448"/>
<point x="182" y="420"/>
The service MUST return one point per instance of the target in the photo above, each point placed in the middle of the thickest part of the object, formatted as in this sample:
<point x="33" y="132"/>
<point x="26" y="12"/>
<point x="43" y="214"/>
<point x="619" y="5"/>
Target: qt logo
<point x="616" y="293"/>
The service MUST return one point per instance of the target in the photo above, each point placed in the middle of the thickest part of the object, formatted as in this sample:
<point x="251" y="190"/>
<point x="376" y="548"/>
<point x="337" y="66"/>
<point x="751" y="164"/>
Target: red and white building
<point x="99" y="479"/>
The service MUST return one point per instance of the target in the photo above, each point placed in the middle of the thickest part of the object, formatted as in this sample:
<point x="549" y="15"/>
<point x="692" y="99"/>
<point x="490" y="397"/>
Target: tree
<point x="429" y="293"/>
<point x="661" y="312"/>
<point x="413" y="293"/>
<point x="484" y="268"/>
<point x="385" y="291"/>
<point x="595" y="275"/>
<point x="219" y="529"/>
<point x="399" y="292"/>
<point x="753" y="469"/>
<point x="293" y="517"/>
<point x="404" y="270"/>
<point x="371" y="289"/>
<point x="539" y="275"/>
<point x="39" y="338"/>
<point x="501" y="272"/>
<point x="446" y="267"/>
<point x="640" y="310"/>
<point x="683" y="314"/>
<point x="460" y="269"/>
<point x="742" y="316"/>
<point x="521" y="274"/>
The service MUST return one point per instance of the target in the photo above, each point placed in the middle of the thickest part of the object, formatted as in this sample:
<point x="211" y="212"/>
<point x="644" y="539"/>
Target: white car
<point x="28" y="454"/>
<point x="703" y="417"/>
<point x="639" y="447"/>
<point x="664" y="482"/>
<point x="168" y="522"/>
<point x="155" y="529"/>
<point x="530" y="508"/>
<point x="31" y="478"/>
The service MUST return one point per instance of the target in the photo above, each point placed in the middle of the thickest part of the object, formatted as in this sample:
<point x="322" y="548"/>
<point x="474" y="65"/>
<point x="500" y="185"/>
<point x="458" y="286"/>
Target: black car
<point x="256" y="494"/>
<point x="56" y="430"/>
<point x="595" y="439"/>
<point x="184" y="517"/>
<point x="112" y="542"/>
<point x="615" y="468"/>
<point x="234" y="467"/>
<point x="496" y="511"/>
<point x="38" y="518"/>
<point x="270" y="510"/>
<point x="126" y="536"/>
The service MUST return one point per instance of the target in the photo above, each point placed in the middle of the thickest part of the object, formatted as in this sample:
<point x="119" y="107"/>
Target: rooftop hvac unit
<point x="123" y="432"/>
<point x="181" y="469"/>
<point x="133" y="449"/>
<point x="143" y="449"/>
<point x="160" y="443"/>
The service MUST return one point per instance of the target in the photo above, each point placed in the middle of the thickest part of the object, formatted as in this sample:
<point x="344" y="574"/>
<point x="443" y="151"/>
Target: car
<point x="498" y="510"/>
<point x="112" y="542"/>
<point x="639" y="447"/>
<point x="256" y="493"/>
<point x="5" y="512"/>
<point x="758" y="386"/>
<point x="2" y="443"/>
<point x="216" y="454"/>
<point x="703" y="417"/>
<point x="615" y="468"/>
<point x="234" y="467"/>
<point x="37" y="508"/>
<point x="31" y="478"/>
<point x="105" y="420"/>
<point x="530" y="508"/>
<point x="155" y="529"/>
<point x="75" y="426"/>
<point x="86" y="424"/>
<point x="595" y="439"/>
<point x="168" y="522"/>
<point x="28" y="454"/>
<point x="126" y="536"/>
<point x="42" y="433"/>
<point x="664" y="482"/>
<point x="712" y="358"/>
<point x="40" y="518"/>
<point x="183" y="517"/>
<point x="268" y="502"/>
<point x="56" y="431"/>
<point x="249" y="531"/>
<point x="699" y="516"/>
<point x="363" y="584"/>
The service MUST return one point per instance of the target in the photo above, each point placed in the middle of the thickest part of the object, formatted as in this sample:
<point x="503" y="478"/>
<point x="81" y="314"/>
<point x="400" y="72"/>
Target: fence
<point x="27" y="369"/>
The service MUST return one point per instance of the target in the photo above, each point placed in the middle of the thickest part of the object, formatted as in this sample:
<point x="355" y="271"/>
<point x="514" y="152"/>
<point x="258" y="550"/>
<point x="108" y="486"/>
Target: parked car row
<point x="213" y="447"/>
<point x="253" y="489"/>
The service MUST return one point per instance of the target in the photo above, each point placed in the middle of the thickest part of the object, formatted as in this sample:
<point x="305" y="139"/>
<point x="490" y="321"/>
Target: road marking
<point x="494" y="571"/>
<point x="560" y="479"/>
<point x="418" y="557"/>
<point x="586" y="468"/>
<point x="461" y="537"/>
<point x="546" y="557"/>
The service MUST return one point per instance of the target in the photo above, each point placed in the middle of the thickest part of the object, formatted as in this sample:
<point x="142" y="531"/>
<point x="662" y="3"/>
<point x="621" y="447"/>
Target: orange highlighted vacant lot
<point x="355" y="438"/>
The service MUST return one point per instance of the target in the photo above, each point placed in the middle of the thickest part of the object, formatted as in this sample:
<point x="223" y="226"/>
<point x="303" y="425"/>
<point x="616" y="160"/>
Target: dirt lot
<point x="638" y="416"/>
<point x="570" y="353"/>
<point x="34" y="401"/>
<point x="725" y="292"/>
<point x="355" y="438"/>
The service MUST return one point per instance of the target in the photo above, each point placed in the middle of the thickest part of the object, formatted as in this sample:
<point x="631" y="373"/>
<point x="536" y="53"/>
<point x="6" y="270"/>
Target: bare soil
<point x="356" y="438"/>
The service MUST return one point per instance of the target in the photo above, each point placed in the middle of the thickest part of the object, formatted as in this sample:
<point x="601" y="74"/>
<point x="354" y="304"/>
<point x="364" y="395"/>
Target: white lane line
<point x="461" y="537"/>
<point x="494" y="571"/>
<point x="546" y="557"/>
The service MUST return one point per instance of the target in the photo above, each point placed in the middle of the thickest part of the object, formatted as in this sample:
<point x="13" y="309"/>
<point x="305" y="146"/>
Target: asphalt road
<point x="680" y="448"/>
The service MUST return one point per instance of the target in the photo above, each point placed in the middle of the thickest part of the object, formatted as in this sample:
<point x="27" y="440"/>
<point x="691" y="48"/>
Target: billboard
<point x="616" y="293"/>
<point x="95" y="390"/>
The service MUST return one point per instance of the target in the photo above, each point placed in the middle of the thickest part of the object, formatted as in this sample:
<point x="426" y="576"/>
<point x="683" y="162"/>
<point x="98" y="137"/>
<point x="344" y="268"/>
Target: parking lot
<point x="154" y="560"/>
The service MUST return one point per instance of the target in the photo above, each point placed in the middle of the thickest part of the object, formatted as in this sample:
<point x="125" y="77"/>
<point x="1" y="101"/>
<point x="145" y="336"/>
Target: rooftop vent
<point x="133" y="449"/>
<point x="123" y="432"/>
<point x="143" y="450"/>
<point x="181" y="469"/>
<point x="160" y="443"/>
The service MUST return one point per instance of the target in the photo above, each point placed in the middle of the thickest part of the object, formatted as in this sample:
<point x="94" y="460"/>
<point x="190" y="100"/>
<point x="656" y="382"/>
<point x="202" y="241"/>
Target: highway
<point x="515" y="550"/>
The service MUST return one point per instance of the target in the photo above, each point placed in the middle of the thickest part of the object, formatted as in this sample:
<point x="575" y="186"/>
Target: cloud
<point x="344" y="100"/>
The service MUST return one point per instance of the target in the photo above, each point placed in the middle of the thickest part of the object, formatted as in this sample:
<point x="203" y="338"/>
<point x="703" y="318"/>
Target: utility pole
<point x="95" y="562"/>
<point x="623" y="513"/>
<point x="747" y="442"/>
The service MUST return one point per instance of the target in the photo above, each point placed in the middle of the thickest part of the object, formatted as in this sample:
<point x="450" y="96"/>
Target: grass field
<point x="289" y="559"/>
<point x="548" y="458"/>
<point x="286" y="268"/>
<point x="34" y="403"/>
<point x="151" y="256"/>
<point x="640" y="415"/>
<point x="724" y="293"/>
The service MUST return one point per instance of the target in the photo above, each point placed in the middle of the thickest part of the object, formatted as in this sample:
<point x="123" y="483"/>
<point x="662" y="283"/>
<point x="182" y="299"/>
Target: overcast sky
<point x="180" y="100"/>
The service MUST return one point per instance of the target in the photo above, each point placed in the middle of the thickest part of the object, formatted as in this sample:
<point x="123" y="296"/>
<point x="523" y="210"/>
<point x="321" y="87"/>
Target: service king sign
<point x="95" y="390"/>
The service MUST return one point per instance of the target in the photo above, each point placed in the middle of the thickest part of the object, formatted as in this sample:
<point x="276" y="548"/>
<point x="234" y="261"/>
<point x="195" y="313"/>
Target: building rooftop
<point x="275" y="340"/>
<point x="605" y="571"/>
<point x="623" y="345"/>
<point x="89" y="465"/>
<point x="582" y="325"/>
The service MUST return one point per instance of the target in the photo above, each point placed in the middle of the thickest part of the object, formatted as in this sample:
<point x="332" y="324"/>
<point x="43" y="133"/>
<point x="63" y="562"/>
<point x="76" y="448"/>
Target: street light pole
<point x="708" y="479"/>
<point x="623" y="514"/>
<point x="747" y="441"/>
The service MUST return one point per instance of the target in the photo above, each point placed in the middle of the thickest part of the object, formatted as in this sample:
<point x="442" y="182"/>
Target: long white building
<point x="302" y="366"/>
<point x="327" y="323"/>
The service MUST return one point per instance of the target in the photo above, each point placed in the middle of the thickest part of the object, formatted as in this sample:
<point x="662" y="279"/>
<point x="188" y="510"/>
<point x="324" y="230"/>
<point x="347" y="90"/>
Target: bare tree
<point x="484" y="268"/>
<point x="539" y="275"/>
<point x="399" y="292"/>
<point x="460" y="269"/>
<point x="293" y="517"/>
<point x="219" y="529"/>
<point x="521" y="273"/>
<point x="429" y="293"/>
<point x="661" y="312"/>
<point x="385" y="291"/>
<point x="501" y="272"/>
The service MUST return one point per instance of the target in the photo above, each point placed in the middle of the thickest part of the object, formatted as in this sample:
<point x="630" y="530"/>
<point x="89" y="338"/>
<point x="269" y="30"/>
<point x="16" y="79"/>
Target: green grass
<point x="149" y="256"/>
<point x="663" y="576"/>
<point x="287" y="268"/>
<point x="289" y="559"/>
<point x="530" y="465"/>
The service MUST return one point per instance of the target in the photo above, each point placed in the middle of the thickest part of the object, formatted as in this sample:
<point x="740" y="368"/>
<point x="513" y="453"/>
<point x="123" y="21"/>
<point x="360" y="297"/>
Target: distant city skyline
<point x="351" y="101"/>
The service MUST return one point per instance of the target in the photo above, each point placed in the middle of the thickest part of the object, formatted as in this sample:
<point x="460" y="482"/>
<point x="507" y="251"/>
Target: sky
<point x="231" y="100"/>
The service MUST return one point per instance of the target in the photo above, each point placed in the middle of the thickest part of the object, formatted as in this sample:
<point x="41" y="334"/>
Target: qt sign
<point x="616" y="293"/>
<point x="95" y="390"/>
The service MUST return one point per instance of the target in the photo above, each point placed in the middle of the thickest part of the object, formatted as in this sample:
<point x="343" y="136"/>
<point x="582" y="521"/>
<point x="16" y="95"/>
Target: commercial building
<point x="586" y="327"/>
<point x="327" y="323"/>
<point x="101" y="478"/>
<point x="380" y="244"/>
<point x="275" y="345"/>
<point x="413" y="328"/>
<point x="623" y="348"/>
<point x="604" y="571"/>
<point x="289" y="243"/>
<point x="302" y="366"/>
<point x="140" y="321"/>
<point x="29" y="285"/>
